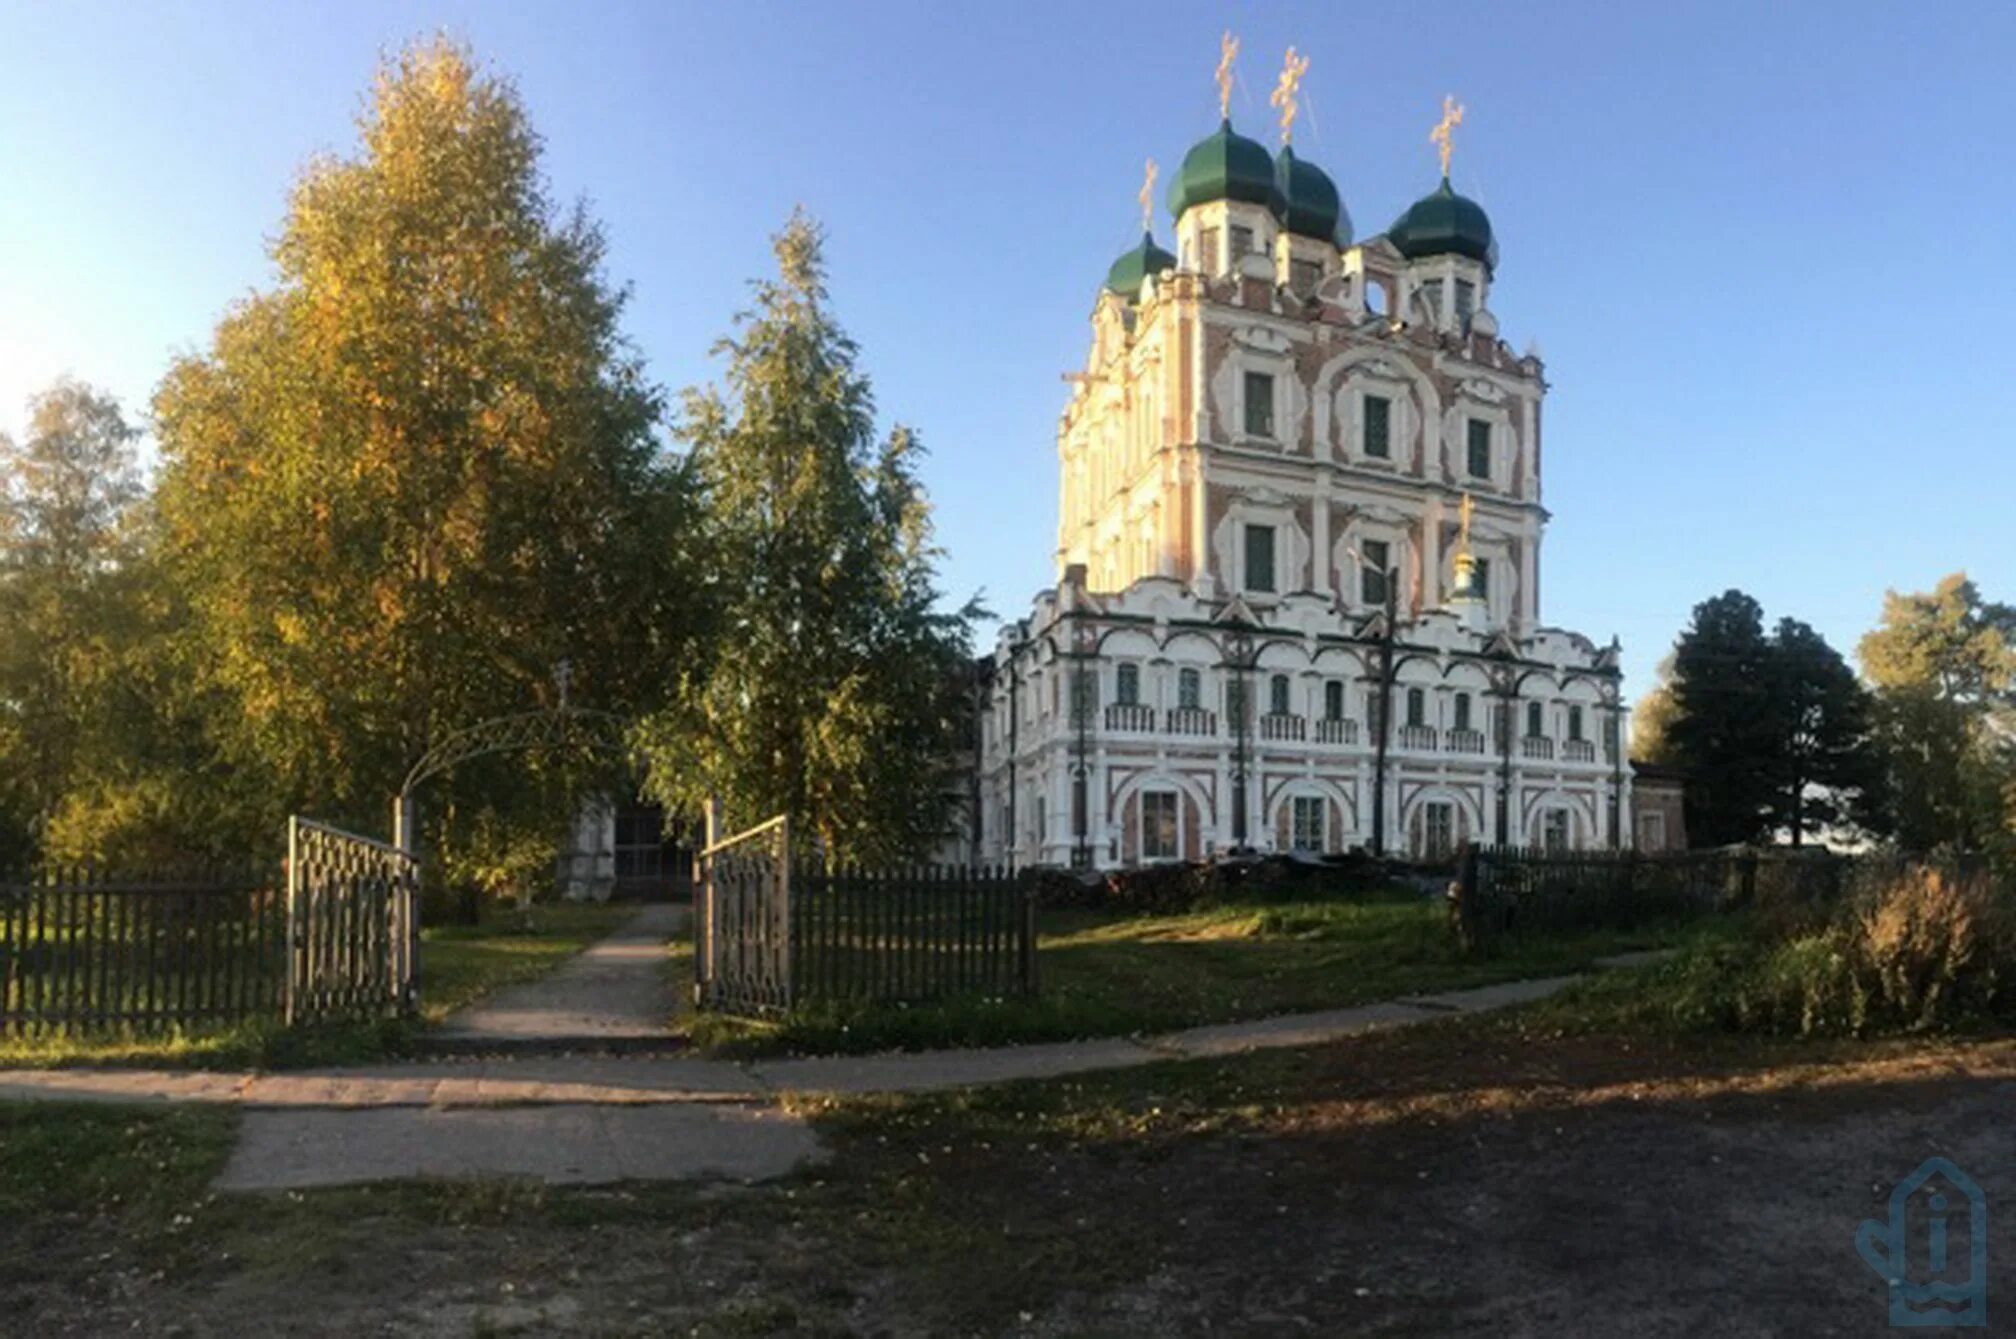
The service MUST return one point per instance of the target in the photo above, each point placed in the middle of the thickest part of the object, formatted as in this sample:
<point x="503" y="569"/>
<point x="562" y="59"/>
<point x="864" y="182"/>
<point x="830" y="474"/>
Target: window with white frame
<point x="1479" y="444"/>
<point x="1277" y="695"/>
<point x="1159" y="834"/>
<point x="1372" y="572"/>
<point x="1260" y="559"/>
<point x="1575" y="723"/>
<point x="1378" y="427"/>
<point x="1189" y="689"/>
<point x="1333" y="700"/>
<point x="1417" y="707"/>
<point x="1536" y="719"/>
<point x="1431" y="297"/>
<point x="1462" y="711"/>
<point x="1438" y="830"/>
<point x="1259" y="388"/>
<point x="1127" y="685"/>
<point x="1306" y="823"/>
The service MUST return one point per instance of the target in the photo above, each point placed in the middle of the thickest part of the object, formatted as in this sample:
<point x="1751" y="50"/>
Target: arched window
<point x="1127" y="685"/>
<point x="1277" y="695"/>
<point x="1417" y="707"/>
<point x="1462" y="711"/>
<point x="1535" y="719"/>
<point x="1189" y="689"/>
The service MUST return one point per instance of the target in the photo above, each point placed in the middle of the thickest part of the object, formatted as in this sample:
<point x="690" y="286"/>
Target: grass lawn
<point x="1107" y="975"/>
<point x="458" y="965"/>
<point x="1546" y="1170"/>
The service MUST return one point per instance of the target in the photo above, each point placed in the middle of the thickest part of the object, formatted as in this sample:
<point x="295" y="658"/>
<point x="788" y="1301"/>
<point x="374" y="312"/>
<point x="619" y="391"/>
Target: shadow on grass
<point x="459" y="965"/>
<point x="1107" y="976"/>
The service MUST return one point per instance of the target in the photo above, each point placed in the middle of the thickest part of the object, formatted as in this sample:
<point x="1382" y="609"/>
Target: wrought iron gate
<point x="350" y="925"/>
<point x="742" y="929"/>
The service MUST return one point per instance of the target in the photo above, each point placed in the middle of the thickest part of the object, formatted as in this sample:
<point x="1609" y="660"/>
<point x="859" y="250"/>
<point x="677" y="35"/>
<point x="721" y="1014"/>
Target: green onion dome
<point x="1224" y="166"/>
<point x="1136" y="264"/>
<point x="1445" y="223"/>
<point x="1307" y="203"/>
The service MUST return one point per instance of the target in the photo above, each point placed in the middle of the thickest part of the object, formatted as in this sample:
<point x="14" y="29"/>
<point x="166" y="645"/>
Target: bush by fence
<point x="1165" y="888"/>
<point x="1504" y="891"/>
<point x="1900" y="946"/>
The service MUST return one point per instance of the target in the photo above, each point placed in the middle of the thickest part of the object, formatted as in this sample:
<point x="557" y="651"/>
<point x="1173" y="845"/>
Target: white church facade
<point x="1299" y="548"/>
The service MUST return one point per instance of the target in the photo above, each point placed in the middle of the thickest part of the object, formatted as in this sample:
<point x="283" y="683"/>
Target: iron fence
<point x="86" y="950"/>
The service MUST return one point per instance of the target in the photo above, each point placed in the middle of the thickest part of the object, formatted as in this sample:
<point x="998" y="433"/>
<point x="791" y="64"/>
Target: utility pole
<point x="1616" y="746"/>
<point x="1508" y="693"/>
<point x="1385" y="714"/>
<point x="1010" y="837"/>
<point x="1084" y="700"/>
<point x="1238" y="654"/>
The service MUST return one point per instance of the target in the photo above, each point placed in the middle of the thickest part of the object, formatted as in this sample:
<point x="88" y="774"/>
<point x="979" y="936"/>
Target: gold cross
<point x="1452" y="116"/>
<point x="1228" y="51"/>
<point x="1284" y="92"/>
<point x="1148" y="198"/>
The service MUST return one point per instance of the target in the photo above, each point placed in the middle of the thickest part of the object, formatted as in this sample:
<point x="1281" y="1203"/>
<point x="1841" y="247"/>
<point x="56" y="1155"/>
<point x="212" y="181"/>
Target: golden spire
<point x="1463" y="545"/>
<point x="1147" y="198"/>
<point x="1452" y="116"/>
<point x="1284" y="92"/>
<point x="1228" y="51"/>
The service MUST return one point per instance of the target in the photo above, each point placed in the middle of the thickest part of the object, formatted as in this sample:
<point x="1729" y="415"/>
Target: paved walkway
<point x="521" y="1081"/>
<point x="598" y="1118"/>
<point x="615" y="993"/>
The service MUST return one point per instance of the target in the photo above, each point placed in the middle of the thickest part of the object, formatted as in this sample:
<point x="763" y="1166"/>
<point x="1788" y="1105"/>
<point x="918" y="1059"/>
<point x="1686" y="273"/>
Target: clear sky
<point x="1766" y="250"/>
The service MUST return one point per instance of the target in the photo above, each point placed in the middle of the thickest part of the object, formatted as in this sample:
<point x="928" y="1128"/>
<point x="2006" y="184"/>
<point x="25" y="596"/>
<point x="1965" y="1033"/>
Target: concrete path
<point x="613" y="993"/>
<point x="572" y="1080"/>
<point x="586" y="1118"/>
<point x="560" y="1145"/>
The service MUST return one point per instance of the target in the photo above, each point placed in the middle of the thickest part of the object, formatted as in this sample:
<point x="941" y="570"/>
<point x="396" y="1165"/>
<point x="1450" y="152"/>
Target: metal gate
<point x="350" y="925"/>
<point x="742" y="929"/>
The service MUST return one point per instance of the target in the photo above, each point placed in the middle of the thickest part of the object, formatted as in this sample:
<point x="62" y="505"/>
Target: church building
<point x="1299" y="552"/>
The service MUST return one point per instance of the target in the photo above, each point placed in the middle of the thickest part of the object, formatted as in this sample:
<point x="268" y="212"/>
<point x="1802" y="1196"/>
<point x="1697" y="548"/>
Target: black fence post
<point x="1463" y="904"/>
<point x="1029" y="982"/>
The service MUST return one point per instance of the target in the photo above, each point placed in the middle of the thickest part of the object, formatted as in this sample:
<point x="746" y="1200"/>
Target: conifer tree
<point x="1824" y="771"/>
<point x="1723" y="731"/>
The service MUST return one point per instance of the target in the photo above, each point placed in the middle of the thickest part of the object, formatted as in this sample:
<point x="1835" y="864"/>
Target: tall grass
<point x="1909" y="948"/>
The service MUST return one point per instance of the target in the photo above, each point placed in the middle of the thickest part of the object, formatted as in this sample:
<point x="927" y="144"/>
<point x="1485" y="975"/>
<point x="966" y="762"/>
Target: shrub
<point x="1907" y="948"/>
<point x="1934" y="945"/>
<point x="1163" y="889"/>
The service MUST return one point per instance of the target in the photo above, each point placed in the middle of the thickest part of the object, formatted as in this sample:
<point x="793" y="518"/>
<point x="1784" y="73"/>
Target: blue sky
<point x="1766" y="250"/>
